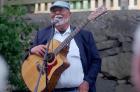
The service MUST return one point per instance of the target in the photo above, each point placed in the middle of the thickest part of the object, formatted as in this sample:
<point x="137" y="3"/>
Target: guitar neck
<point x="70" y="37"/>
<point x="98" y="12"/>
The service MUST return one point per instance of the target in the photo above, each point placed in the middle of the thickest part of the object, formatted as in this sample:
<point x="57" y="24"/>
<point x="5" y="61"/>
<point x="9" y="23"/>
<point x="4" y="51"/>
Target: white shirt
<point x="73" y="75"/>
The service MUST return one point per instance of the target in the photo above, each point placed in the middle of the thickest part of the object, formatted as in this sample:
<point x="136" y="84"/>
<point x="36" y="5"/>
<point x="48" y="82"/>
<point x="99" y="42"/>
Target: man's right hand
<point x="39" y="50"/>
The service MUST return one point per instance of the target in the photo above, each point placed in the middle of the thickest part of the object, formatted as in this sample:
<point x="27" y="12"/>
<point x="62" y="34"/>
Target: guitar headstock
<point x="98" y="12"/>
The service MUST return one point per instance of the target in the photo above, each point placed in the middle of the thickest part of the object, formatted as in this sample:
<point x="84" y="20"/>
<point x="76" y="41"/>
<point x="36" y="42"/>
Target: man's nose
<point x="57" y="12"/>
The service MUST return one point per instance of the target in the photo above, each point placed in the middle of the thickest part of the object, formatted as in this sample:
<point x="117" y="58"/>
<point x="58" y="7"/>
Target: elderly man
<point x="82" y="55"/>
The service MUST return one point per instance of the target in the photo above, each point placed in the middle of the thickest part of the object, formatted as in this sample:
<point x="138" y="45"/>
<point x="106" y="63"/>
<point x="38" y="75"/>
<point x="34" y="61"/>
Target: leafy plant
<point x="14" y="40"/>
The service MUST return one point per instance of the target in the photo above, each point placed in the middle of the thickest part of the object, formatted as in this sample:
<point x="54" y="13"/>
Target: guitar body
<point x="30" y="73"/>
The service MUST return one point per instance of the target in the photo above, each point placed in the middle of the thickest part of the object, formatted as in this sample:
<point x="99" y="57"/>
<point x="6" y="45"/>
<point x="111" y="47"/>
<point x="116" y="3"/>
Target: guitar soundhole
<point x="50" y="57"/>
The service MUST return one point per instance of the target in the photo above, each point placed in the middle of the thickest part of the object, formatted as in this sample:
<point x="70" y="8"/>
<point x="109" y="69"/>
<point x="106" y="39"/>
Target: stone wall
<point x="113" y="33"/>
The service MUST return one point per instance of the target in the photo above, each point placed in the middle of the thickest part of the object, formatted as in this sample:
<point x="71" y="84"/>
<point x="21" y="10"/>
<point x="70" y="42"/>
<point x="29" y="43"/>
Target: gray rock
<point x="104" y="85"/>
<point x="118" y="66"/>
<point x="110" y="52"/>
<point x="127" y="46"/>
<point x="107" y="44"/>
<point x="99" y="38"/>
<point x="124" y="88"/>
<point x="121" y="81"/>
<point x="123" y="38"/>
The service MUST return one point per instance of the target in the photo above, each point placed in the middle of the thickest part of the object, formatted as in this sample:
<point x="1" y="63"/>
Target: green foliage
<point x="14" y="40"/>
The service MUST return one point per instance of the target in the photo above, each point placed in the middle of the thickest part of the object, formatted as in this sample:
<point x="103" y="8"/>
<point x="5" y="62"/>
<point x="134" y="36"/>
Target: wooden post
<point x="124" y="4"/>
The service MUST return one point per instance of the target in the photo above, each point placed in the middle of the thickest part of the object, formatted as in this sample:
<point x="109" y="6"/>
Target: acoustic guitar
<point x="56" y="65"/>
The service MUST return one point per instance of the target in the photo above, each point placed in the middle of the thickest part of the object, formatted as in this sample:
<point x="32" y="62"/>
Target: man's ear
<point x="70" y="13"/>
<point x="50" y="14"/>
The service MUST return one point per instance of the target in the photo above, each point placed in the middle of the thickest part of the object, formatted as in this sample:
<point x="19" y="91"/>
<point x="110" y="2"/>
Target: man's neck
<point x="62" y="28"/>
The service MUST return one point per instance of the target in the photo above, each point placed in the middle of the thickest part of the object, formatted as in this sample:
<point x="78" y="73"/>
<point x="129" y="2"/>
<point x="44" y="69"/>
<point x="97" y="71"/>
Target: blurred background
<point x="113" y="33"/>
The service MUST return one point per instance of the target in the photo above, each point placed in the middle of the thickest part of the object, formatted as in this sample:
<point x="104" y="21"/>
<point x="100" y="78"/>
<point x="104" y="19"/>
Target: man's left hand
<point x="84" y="87"/>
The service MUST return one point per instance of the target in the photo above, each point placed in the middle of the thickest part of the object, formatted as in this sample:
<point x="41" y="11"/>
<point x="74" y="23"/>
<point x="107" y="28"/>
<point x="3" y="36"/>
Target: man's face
<point x="60" y="12"/>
